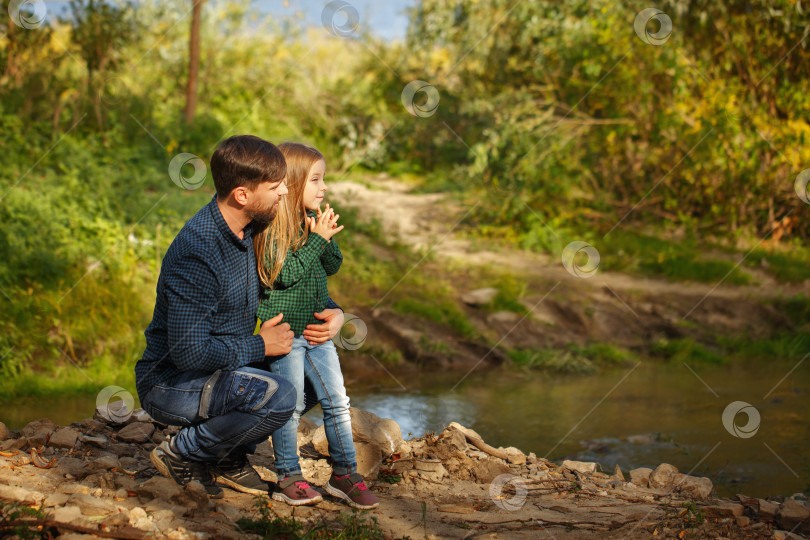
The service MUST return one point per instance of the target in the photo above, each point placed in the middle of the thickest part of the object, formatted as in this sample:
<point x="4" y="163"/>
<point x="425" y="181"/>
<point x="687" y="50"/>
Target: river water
<point x="638" y="415"/>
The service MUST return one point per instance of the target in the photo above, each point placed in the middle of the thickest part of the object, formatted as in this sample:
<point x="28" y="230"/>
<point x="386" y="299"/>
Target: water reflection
<point x="630" y="416"/>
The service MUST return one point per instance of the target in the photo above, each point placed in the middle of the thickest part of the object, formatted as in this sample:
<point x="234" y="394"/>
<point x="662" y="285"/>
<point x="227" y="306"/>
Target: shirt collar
<point x="241" y="243"/>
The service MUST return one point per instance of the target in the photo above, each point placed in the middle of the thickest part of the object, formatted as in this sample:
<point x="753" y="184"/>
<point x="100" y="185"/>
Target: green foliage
<point x="15" y="520"/>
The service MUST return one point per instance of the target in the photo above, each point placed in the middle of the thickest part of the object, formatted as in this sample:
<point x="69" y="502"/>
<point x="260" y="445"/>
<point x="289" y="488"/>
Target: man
<point x="195" y="370"/>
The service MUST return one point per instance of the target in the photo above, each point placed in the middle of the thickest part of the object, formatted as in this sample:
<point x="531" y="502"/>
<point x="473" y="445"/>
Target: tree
<point x="193" y="62"/>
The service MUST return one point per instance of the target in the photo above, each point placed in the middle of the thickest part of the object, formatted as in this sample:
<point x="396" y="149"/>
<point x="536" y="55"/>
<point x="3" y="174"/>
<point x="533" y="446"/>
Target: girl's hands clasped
<point x="326" y="223"/>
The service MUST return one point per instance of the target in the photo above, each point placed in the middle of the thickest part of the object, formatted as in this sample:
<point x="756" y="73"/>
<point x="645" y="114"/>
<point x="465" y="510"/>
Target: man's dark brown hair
<point x="246" y="160"/>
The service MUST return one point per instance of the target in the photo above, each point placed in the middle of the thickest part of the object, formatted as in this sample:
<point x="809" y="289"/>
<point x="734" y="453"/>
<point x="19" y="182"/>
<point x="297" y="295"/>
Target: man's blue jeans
<point x="320" y="365"/>
<point x="224" y="414"/>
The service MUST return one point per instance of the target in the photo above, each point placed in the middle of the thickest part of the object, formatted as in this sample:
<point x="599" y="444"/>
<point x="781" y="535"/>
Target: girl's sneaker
<point x="295" y="491"/>
<point x="352" y="489"/>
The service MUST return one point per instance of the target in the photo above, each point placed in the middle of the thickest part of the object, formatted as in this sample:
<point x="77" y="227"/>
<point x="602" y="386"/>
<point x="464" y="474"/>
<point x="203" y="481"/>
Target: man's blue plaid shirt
<point x="205" y="311"/>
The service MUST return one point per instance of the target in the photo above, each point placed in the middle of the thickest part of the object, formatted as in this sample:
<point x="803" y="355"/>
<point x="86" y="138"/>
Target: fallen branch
<point x="477" y="441"/>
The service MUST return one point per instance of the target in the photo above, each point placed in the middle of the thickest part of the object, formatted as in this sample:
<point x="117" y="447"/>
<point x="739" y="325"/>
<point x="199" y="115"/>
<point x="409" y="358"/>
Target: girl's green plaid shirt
<point x="300" y="289"/>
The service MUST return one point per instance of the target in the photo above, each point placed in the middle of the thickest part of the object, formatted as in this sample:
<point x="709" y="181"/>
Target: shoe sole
<point x="221" y="480"/>
<point x="296" y="502"/>
<point x="163" y="469"/>
<point x="335" y="492"/>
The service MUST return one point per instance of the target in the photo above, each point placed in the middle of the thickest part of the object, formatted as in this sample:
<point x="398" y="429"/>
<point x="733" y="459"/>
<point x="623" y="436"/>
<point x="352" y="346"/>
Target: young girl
<point x="299" y="251"/>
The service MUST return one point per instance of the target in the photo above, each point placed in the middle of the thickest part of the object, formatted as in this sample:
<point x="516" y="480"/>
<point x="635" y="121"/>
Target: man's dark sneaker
<point x="295" y="491"/>
<point x="352" y="489"/>
<point x="239" y="475"/>
<point x="181" y="470"/>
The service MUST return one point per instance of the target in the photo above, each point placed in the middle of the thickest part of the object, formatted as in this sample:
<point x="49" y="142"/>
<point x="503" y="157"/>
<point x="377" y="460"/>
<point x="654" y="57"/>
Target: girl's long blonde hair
<point x="288" y="230"/>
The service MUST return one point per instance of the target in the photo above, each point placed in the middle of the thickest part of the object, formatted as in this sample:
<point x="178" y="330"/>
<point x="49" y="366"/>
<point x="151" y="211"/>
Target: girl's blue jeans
<point x="321" y="366"/>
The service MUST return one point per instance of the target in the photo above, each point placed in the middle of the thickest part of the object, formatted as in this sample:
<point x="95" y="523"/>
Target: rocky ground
<point x="94" y="479"/>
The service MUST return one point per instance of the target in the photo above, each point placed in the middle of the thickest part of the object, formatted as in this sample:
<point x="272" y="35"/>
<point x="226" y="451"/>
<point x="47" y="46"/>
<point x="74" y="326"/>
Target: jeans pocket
<point x="241" y="391"/>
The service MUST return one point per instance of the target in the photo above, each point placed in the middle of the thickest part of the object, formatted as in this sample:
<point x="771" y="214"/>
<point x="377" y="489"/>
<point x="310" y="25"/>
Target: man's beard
<point x="263" y="218"/>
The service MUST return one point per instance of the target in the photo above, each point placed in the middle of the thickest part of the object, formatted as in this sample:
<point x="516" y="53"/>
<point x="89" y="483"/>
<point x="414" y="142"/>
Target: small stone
<point x="4" y="432"/>
<point x="793" y="515"/>
<point x="20" y="495"/>
<point x="665" y="475"/>
<point x="114" y="521"/>
<point x="487" y="469"/>
<point x="767" y="510"/>
<point x="695" y="487"/>
<point x="743" y="521"/>
<point x="617" y="473"/>
<point x="75" y="467"/>
<point x="137" y="432"/>
<point x="136" y="514"/>
<point x="91" y="506"/>
<point x="10" y="445"/>
<point x="43" y="427"/>
<point x="641" y="476"/>
<point x="583" y="467"/>
<point x="480" y="297"/>
<point x="68" y="514"/>
<point x="106" y="462"/>
<point x="515" y="456"/>
<point x="99" y="441"/>
<point x="64" y="437"/>
<point x="55" y="499"/>
<point x="724" y="510"/>
<point x="159" y="487"/>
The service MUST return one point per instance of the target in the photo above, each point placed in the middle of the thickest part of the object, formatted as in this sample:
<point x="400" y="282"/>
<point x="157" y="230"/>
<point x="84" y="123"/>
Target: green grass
<point x="354" y="526"/>
<point x="440" y="310"/>
<point x="791" y="266"/>
<point x="681" y="260"/>
<point x="573" y="359"/>
<point x="685" y="349"/>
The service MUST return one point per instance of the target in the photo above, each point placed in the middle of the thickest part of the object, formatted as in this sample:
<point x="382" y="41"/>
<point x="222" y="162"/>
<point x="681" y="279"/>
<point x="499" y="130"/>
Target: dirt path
<point x="430" y="221"/>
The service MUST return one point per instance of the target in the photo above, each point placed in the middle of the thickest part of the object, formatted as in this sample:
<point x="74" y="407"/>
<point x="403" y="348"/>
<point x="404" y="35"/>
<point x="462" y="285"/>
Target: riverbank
<point x="94" y="477"/>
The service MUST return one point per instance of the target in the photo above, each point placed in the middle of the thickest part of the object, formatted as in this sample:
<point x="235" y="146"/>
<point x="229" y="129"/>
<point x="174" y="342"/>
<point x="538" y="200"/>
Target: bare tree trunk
<point x="193" y="62"/>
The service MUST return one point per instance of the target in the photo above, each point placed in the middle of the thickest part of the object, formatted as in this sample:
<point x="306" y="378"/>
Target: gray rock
<point x="73" y="466"/>
<point x="640" y="476"/>
<point x="487" y="469"/>
<point x="38" y="431"/>
<point x="64" y="437"/>
<point x="105" y="463"/>
<point x="9" y="445"/>
<point x="4" y="432"/>
<point x="794" y="514"/>
<point x="664" y="476"/>
<point x="99" y="441"/>
<point x="480" y="297"/>
<point x="91" y="506"/>
<point x="369" y="458"/>
<point x="159" y="487"/>
<point x="69" y="514"/>
<point x="20" y="495"/>
<point x="617" y="473"/>
<point x="55" y="499"/>
<point x="137" y="432"/>
<point x="724" y="510"/>
<point x="767" y="510"/>
<point x="366" y="428"/>
<point x="695" y="487"/>
<point x="583" y="467"/>
<point x="114" y="521"/>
